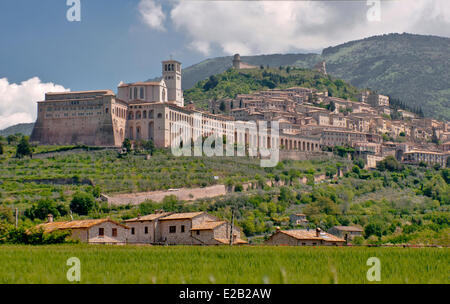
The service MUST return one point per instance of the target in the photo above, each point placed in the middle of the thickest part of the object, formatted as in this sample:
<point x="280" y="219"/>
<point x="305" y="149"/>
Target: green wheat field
<point x="221" y="265"/>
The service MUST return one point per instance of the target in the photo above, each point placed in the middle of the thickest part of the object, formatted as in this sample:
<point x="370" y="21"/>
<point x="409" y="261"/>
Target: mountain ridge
<point x="413" y="68"/>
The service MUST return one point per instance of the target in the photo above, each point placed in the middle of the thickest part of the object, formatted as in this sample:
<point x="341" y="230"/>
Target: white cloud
<point x="18" y="101"/>
<point x="254" y="27"/>
<point x="152" y="14"/>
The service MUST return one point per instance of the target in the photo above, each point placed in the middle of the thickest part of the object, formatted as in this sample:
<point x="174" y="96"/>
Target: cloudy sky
<point x="126" y="40"/>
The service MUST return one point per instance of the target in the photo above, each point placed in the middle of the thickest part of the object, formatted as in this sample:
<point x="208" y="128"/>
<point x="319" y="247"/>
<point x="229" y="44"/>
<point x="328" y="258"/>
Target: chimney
<point x="50" y="218"/>
<point x="318" y="231"/>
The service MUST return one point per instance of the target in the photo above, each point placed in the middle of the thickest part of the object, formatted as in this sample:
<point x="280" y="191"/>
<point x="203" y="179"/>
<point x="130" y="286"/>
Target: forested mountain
<point x="412" y="68"/>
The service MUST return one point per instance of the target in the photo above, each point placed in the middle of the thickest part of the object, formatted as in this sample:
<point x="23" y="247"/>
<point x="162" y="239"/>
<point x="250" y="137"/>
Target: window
<point x="182" y="228"/>
<point x="135" y="93"/>
<point x="303" y="244"/>
<point x="172" y="229"/>
<point x="101" y="231"/>
<point x="146" y="230"/>
<point x="142" y="93"/>
<point x="114" y="232"/>
<point x="198" y="232"/>
<point x="132" y="231"/>
<point x="159" y="115"/>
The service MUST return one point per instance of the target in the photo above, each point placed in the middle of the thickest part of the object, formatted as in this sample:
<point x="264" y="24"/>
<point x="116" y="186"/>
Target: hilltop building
<point x="239" y="65"/>
<point x="321" y="67"/>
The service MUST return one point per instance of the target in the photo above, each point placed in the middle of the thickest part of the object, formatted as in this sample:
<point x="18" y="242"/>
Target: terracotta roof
<point x="311" y="235"/>
<point x="81" y="224"/>
<point x="349" y="228"/>
<point x="181" y="216"/>
<point x="150" y="217"/>
<point x="236" y="241"/>
<point x="208" y="225"/>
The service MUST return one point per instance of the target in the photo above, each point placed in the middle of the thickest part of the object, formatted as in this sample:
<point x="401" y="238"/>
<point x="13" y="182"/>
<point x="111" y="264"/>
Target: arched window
<point x="138" y="115"/>
<point x="159" y="115"/>
<point x="106" y="110"/>
<point x="130" y="115"/>
<point x="144" y="114"/>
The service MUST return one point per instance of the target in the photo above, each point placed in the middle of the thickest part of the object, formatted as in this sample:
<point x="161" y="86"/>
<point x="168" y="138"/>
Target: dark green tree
<point x="43" y="208"/>
<point x="82" y="203"/>
<point x="12" y="139"/>
<point x="24" y="148"/>
<point x="127" y="144"/>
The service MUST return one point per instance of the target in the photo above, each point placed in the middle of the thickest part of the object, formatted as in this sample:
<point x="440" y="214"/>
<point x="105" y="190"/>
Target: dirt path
<point x="158" y="196"/>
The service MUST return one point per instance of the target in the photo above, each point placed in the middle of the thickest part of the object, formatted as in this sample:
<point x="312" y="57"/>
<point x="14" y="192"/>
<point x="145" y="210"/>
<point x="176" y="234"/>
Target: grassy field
<point x="129" y="264"/>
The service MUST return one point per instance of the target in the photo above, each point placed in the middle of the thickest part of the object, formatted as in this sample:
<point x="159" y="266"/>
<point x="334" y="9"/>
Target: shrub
<point x="22" y="236"/>
<point x="82" y="203"/>
<point x="43" y="208"/>
<point x="24" y="148"/>
<point x="373" y="229"/>
<point x="390" y="164"/>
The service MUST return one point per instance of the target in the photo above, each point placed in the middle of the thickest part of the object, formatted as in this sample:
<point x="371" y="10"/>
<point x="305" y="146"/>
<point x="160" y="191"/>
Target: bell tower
<point x="171" y="71"/>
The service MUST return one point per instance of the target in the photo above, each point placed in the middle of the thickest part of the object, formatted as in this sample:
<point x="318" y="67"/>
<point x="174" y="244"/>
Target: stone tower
<point x="321" y="67"/>
<point x="237" y="61"/>
<point x="171" y="72"/>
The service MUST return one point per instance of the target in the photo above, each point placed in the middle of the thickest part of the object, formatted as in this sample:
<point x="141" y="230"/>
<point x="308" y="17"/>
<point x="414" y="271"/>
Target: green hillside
<point x="414" y="68"/>
<point x="233" y="82"/>
<point x="24" y="129"/>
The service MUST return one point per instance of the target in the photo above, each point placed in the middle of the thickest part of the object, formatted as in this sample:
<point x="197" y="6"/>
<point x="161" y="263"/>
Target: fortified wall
<point x="90" y="118"/>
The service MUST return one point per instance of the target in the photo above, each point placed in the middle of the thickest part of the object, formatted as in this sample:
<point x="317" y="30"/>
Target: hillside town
<point x="310" y="121"/>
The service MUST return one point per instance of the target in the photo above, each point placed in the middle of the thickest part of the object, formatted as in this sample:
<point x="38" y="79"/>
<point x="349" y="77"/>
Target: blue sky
<point x="109" y="45"/>
<point x="126" y="40"/>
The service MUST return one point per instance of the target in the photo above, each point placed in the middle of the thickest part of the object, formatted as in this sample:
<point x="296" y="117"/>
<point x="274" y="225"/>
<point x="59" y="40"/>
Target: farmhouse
<point x="100" y="231"/>
<point x="346" y="232"/>
<point x="304" y="238"/>
<point x="193" y="228"/>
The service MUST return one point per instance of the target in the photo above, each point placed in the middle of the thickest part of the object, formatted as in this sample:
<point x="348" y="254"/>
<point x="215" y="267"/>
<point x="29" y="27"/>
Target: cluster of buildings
<point x="309" y="120"/>
<point x="161" y="228"/>
<point x="193" y="228"/>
